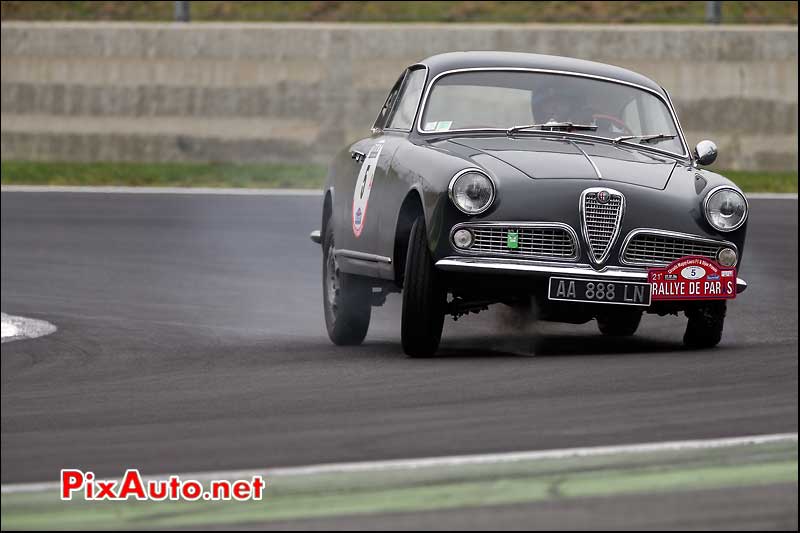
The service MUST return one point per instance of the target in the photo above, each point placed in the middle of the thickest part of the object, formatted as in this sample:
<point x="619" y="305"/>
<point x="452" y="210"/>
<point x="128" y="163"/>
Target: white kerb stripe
<point x="237" y="191"/>
<point x="219" y="191"/>
<point x="771" y="195"/>
<point x="456" y="460"/>
<point x="8" y="330"/>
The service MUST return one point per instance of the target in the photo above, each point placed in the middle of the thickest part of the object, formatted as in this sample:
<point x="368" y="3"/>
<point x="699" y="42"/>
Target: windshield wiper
<point x="644" y="138"/>
<point x="552" y="126"/>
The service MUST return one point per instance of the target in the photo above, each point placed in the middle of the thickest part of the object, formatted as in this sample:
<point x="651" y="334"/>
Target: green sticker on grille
<point x="512" y="239"/>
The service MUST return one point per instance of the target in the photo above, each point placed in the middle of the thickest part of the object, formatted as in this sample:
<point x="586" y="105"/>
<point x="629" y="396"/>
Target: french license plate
<point x="596" y="291"/>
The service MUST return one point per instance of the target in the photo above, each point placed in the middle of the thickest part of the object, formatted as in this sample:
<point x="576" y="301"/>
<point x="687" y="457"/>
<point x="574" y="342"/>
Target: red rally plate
<point x="692" y="278"/>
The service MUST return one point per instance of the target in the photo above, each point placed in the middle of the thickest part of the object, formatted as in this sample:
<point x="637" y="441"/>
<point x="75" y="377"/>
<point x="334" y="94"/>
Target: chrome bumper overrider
<point x="517" y="267"/>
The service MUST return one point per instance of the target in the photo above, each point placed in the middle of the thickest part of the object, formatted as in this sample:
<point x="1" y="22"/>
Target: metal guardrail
<point x="182" y="11"/>
<point x="713" y="12"/>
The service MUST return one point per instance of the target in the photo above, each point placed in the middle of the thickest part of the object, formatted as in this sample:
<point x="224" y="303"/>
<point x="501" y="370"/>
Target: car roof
<point x="440" y="63"/>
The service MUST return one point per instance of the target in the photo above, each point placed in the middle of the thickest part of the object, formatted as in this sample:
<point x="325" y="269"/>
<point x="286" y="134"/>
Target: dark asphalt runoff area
<point x="191" y="338"/>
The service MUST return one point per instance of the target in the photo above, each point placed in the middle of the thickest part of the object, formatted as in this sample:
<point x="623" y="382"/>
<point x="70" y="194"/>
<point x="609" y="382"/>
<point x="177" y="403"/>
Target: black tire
<point x="346" y="299"/>
<point x="619" y="323"/>
<point x="706" y="320"/>
<point x="424" y="298"/>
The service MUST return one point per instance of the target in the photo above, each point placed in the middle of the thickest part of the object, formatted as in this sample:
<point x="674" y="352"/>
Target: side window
<point x="406" y="109"/>
<point x="388" y="105"/>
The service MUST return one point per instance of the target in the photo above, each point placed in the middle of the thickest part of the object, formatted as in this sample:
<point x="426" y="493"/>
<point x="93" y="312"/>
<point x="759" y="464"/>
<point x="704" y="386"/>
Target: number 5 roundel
<point x="364" y="187"/>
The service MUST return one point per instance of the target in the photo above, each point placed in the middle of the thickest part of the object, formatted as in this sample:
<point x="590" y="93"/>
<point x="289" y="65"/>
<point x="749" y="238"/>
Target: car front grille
<point x="536" y="241"/>
<point x="659" y="249"/>
<point x="601" y="221"/>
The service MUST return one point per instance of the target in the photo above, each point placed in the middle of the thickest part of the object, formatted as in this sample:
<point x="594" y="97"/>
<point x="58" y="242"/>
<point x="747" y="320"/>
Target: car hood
<point x="554" y="158"/>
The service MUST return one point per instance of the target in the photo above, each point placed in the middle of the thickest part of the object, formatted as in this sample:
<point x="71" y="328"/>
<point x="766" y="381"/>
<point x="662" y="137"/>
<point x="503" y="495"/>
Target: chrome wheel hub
<point x="332" y="279"/>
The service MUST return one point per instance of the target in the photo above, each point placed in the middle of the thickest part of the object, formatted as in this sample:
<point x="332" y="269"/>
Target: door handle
<point x="358" y="156"/>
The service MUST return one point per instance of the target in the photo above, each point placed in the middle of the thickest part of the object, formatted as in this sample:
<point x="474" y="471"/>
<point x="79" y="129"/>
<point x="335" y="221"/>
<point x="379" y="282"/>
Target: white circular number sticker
<point x="693" y="272"/>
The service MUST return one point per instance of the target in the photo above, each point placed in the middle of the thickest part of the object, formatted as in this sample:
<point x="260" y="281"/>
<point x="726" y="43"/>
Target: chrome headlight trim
<point x="467" y="171"/>
<point x="717" y="189"/>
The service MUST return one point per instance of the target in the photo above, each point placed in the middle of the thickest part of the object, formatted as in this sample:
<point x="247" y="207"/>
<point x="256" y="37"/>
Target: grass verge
<point x="260" y="175"/>
<point x="669" y="12"/>
<point x="762" y="181"/>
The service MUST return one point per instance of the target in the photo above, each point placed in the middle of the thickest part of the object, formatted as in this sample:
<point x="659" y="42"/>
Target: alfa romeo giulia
<point x="528" y="180"/>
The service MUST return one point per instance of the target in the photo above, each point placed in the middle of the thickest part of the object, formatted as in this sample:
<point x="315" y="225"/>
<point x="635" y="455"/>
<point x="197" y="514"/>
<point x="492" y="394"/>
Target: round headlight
<point x="726" y="209"/>
<point x="472" y="191"/>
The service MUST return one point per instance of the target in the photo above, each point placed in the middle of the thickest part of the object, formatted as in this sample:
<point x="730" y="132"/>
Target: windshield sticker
<point x="430" y="126"/>
<point x="364" y="187"/>
<point x="443" y="125"/>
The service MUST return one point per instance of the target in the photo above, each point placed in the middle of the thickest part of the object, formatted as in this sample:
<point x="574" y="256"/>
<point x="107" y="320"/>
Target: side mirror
<point x="705" y="152"/>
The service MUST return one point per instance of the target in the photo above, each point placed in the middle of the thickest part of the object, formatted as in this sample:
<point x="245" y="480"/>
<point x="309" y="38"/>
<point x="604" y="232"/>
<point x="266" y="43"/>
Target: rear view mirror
<point x="705" y="152"/>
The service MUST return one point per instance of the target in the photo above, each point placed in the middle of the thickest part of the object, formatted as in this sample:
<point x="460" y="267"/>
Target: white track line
<point x="162" y="190"/>
<point x="448" y="461"/>
<point x="8" y="330"/>
<point x="245" y="191"/>
<point x="771" y="196"/>
<point x="20" y="327"/>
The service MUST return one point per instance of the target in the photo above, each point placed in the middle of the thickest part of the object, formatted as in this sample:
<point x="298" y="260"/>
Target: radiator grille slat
<point x="601" y="222"/>
<point x="658" y="250"/>
<point x="545" y="242"/>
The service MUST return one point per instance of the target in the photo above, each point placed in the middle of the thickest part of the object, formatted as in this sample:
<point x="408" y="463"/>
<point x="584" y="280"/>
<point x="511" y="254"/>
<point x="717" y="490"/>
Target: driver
<point x="557" y="103"/>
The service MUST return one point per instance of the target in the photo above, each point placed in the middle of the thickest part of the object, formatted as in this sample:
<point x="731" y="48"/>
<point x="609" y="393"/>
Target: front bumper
<point x="488" y="265"/>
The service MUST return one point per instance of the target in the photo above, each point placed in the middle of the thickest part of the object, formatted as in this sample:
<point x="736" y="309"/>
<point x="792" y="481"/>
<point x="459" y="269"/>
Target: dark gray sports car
<point x="528" y="180"/>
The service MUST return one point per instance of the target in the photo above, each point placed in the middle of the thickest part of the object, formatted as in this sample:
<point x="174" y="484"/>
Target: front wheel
<point x="346" y="298"/>
<point x="706" y="320"/>
<point x="424" y="298"/>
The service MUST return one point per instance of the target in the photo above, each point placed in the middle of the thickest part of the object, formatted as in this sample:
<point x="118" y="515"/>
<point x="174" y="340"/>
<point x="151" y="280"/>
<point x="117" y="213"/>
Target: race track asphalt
<point x="190" y="338"/>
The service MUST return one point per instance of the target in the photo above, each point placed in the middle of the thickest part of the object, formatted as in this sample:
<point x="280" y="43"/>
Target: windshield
<point x="505" y="99"/>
